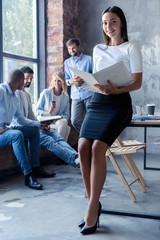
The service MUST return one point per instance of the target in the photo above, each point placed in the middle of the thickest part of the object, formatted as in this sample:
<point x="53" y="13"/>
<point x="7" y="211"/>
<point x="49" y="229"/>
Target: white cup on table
<point x="139" y="111"/>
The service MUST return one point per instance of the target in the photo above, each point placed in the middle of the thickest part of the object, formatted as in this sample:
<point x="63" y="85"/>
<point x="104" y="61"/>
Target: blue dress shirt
<point x="9" y="108"/>
<point x="84" y="63"/>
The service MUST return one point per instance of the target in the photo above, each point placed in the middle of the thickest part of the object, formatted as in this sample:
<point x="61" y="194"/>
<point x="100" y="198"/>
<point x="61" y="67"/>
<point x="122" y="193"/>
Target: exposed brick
<point x="63" y="23"/>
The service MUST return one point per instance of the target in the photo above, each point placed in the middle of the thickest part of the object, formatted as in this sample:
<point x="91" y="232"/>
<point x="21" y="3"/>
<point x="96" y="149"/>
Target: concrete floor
<point x="53" y="214"/>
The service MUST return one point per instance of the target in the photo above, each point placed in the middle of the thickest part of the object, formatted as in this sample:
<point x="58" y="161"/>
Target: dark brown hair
<point x="73" y="41"/>
<point x="118" y="11"/>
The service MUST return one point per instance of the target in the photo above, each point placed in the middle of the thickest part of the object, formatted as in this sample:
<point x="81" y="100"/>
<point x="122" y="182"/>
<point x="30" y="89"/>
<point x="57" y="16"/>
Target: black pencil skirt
<point x="107" y="116"/>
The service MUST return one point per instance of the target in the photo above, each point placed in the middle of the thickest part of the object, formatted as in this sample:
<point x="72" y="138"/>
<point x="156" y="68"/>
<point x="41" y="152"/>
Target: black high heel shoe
<point x="82" y="222"/>
<point x="89" y="230"/>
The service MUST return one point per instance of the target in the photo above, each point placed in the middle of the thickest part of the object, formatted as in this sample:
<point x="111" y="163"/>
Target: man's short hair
<point x="27" y="69"/>
<point x="16" y="75"/>
<point x="72" y="41"/>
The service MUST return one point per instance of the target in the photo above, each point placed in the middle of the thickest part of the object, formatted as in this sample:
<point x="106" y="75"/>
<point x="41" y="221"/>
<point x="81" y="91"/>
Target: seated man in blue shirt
<point x="80" y="97"/>
<point x="16" y="136"/>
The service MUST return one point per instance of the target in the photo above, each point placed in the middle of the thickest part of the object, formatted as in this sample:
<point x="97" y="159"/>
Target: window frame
<point x="41" y="46"/>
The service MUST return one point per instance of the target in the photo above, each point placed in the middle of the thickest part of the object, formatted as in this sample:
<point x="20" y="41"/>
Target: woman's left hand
<point x="109" y="89"/>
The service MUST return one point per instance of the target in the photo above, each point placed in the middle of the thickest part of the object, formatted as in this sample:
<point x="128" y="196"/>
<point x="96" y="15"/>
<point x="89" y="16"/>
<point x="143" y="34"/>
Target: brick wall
<point x="63" y="23"/>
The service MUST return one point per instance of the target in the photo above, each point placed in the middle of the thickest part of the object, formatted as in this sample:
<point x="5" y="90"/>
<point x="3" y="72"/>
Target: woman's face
<point x="57" y="83"/>
<point x="111" y="24"/>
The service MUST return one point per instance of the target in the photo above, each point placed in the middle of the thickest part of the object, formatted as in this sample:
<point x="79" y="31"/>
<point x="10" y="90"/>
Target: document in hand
<point x="118" y="74"/>
<point x="48" y="118"/>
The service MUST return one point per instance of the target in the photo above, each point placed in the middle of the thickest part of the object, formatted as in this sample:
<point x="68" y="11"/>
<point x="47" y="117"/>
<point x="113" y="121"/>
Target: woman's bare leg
<point x="97" y="179"/>
<point x="84" y="150"/>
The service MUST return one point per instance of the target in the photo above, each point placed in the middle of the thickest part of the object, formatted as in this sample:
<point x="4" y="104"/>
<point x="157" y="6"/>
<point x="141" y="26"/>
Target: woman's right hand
<point x="51" y="109"/>
<point x="108" y="89"/>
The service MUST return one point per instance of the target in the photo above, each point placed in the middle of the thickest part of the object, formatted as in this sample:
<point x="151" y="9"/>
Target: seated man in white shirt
<point x="49" y="139"/>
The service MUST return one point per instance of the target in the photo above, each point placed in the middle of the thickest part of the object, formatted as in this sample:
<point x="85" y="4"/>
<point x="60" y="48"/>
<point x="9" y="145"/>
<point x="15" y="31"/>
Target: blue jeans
<point x="53" y="141"/>
<point x="78" y="111"/>
<point x="16" y="137"/>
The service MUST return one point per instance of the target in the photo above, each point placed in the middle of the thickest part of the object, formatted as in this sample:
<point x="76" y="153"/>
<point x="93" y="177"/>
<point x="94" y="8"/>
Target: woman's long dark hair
<point x="118" y="11"/>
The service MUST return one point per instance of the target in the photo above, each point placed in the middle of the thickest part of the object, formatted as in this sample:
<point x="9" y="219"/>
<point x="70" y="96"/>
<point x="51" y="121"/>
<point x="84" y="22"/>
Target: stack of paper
<point x="117" y="74"/>
<point x="48" y="118"/>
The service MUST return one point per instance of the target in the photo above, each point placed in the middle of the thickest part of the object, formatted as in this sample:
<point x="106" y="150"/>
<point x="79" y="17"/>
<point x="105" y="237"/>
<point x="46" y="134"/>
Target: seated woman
<point x="55" y="101"/>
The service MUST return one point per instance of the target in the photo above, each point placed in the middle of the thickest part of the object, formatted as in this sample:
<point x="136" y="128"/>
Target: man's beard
<point x="75" y="54"/>
<point x="27" y="85"/>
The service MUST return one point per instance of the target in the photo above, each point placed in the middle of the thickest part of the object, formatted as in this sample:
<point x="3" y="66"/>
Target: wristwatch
<point x="69" y="82"/>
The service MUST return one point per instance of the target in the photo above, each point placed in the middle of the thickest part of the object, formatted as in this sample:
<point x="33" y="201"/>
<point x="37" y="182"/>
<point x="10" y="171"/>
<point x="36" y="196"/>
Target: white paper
<point x="48" y="118"/>
<point x="117" y="74"/>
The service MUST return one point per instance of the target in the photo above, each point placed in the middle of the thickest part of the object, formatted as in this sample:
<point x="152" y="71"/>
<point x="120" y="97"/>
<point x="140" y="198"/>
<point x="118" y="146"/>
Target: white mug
<point x="139" y="110"/>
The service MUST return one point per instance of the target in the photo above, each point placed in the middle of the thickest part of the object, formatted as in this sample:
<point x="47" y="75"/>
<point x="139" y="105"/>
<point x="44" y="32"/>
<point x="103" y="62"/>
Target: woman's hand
<point x="109" y="89"/>
<point x="51" y="109"/>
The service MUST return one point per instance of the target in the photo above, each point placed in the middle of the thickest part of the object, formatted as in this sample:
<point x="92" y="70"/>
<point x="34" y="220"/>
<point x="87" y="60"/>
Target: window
<point x="20" y="39"/>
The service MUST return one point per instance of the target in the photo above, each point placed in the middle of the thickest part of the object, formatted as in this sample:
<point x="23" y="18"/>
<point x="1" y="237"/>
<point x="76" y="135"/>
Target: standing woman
<point x="108" y="114"/>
